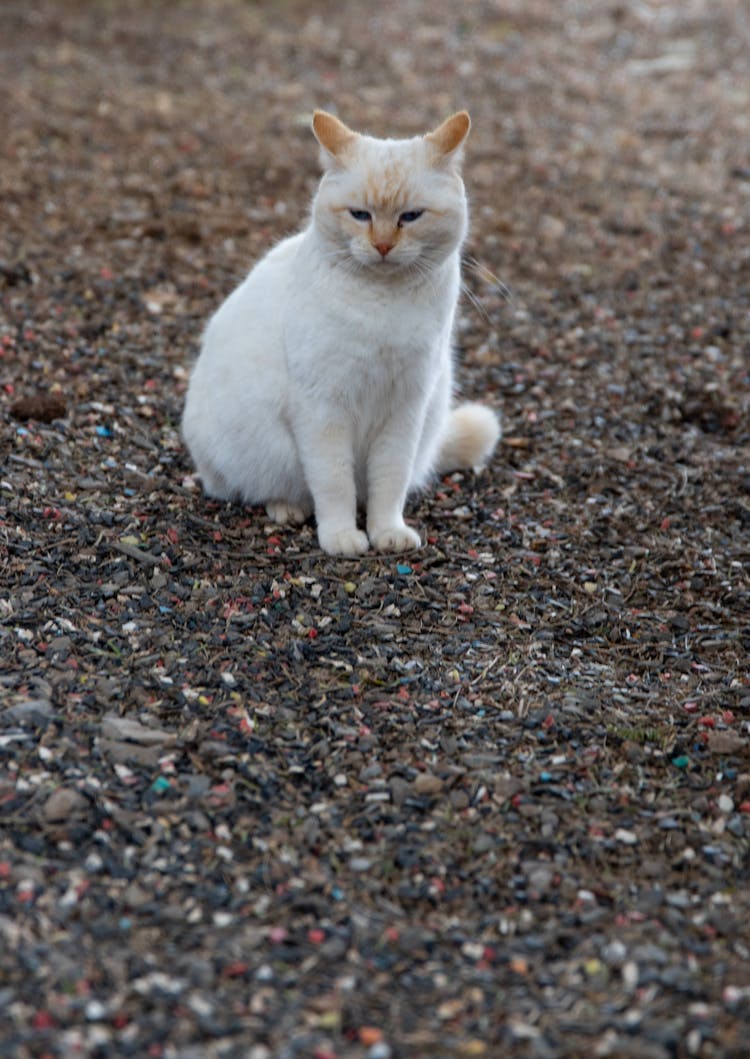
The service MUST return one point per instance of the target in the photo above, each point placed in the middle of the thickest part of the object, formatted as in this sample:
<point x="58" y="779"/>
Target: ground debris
<point x="488" y="799"/>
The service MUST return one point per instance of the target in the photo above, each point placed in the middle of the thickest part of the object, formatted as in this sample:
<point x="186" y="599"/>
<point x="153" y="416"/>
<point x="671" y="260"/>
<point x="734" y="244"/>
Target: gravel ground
<point x="491" y="798"/>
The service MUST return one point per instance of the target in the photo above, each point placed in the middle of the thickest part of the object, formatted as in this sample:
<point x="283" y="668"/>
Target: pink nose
<point x="384" y="248"/>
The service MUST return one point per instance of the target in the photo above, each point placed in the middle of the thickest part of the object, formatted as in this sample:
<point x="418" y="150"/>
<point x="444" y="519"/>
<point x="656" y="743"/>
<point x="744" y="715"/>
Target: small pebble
<point x="95" y="1011"/>
<point x="427" y="783"/>
<point x="370" y="1034"/>
<point x="614" y="953"/>
<point x="628" y="838"/>
<point x="63" y="804"/>
<point x="725" y="803"/>
<point x="736" y="826"/>
<point x="630" y="975"/>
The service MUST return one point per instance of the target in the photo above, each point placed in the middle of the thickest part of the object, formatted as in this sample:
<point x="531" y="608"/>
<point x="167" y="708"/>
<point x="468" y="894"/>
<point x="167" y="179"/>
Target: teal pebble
<point x="160" y="784"/>
<point x="681" y="762"/>
<point x="402" y="568"/>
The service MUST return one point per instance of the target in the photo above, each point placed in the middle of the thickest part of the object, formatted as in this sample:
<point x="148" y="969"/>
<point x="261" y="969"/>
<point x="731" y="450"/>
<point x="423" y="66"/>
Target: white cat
<point x="326" y="378"/>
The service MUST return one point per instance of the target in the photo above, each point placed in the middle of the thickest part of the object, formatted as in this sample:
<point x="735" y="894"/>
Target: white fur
<point x="326" y="378"/>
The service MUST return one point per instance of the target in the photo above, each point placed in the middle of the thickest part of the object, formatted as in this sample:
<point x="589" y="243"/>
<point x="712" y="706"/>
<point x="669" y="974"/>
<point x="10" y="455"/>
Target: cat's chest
<point x="371" y="332"/>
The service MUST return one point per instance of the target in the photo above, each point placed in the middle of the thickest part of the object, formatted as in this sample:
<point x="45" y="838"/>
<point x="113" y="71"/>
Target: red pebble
<point x="707" y="722"/>
<point x="43" y="1021"/>
<point x="315" y="936"/>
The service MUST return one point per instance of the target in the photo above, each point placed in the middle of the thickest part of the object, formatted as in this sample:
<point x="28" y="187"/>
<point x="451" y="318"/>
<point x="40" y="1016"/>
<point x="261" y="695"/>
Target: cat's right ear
<point x="334" y="137"/>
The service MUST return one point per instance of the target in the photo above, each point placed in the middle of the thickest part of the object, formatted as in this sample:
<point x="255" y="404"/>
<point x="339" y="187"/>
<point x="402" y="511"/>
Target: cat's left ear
<point x="333" y="136"/>
<point x="448" y="138"/>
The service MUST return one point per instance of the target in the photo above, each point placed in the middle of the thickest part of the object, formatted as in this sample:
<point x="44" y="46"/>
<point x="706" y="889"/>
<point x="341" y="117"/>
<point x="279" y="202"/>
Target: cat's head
<point x="390" y="206"/>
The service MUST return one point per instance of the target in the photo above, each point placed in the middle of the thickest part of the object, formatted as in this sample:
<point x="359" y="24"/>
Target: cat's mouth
<point x="385" y="266"/>
<point x="388" y="264"/>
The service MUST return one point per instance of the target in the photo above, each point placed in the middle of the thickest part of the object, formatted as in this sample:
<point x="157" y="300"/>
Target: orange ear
<point x="449" y="136"/>
<point x="332" y="135"/>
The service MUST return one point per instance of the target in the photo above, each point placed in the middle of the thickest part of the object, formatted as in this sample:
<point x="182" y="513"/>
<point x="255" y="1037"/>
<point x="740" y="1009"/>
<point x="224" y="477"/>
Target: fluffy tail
<point x="473" y="431"/>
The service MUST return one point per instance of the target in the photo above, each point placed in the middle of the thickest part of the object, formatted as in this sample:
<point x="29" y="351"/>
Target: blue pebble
<point x="403" y="568"/>
<point x="104" y="432"/>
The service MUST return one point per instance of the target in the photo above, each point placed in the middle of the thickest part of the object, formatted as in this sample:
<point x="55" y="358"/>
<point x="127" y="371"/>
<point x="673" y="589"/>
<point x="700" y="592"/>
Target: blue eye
<point x="409" y="216"/>
<point x="361" y="215"/>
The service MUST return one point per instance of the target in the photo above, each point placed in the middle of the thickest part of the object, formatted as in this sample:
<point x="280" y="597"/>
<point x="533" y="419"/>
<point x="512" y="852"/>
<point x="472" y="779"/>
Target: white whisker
<point x="490" y="278"/>
<point x="472" y="297"/>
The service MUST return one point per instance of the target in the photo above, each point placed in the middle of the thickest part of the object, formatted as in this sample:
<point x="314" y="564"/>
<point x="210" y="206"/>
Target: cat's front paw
<point x="395" y="539"/>
<point x="343" y="542"/>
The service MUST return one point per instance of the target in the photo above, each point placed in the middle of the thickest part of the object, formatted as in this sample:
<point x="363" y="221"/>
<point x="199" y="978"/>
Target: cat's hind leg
<point x="473" y="431"/>
<point x="214" y="484"/>
<point x="282" y="512"/>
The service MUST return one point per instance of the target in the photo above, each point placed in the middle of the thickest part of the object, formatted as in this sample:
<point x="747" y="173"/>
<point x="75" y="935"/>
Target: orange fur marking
<point x="331" y="133"/>
<point x="451" y="134"/>
<point x="387" y="190"/>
